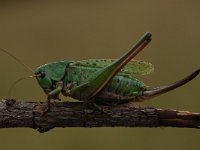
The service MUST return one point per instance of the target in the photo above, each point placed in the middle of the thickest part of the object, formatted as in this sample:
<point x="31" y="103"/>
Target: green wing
<point x="134" y="67"/>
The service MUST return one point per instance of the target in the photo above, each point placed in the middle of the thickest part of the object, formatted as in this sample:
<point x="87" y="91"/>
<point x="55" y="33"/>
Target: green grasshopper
<point x="102" y="79"/>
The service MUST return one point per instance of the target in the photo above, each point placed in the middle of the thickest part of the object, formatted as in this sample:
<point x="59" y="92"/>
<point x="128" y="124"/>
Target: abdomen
<point x="123" y="88"/>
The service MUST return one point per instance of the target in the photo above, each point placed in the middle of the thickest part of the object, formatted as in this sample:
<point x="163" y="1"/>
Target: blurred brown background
<point x="41" y="32"/>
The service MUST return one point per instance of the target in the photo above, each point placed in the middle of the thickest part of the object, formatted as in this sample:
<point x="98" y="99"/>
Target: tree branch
<point x="71" y="114"/>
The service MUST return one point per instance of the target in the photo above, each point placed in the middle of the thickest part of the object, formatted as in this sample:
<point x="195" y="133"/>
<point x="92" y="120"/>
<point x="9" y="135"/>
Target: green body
<point x="89" y="81"/>
<point x="71" y="74"/>
<point x="102" y="79"/>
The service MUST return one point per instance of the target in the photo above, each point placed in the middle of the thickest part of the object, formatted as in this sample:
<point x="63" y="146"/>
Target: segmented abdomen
<point x="121" y="88"/>
<point x="124" y="86"/>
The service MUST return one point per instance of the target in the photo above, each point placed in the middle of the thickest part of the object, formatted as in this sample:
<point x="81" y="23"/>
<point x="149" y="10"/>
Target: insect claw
<point x="102" y="108"/>
<point x="46" y="109"/>
<point x="40" y="111"/>
<point x="58" y="98"/>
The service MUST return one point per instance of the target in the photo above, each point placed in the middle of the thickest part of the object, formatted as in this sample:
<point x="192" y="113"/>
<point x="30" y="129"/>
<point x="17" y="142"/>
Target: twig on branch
<point x="72" y="114"/>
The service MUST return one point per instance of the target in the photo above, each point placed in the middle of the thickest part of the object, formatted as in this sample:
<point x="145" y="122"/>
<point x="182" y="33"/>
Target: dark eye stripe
<point x="42" y="74"/>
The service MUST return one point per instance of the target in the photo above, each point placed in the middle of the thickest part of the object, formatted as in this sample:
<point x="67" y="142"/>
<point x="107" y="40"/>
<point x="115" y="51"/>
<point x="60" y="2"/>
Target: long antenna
<point x="17" y="81"/>
<point x="16" y="59"/>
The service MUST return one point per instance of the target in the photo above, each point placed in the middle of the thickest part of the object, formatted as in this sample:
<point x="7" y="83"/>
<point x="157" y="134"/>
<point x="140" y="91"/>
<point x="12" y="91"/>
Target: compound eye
<point x="41" y="74"/>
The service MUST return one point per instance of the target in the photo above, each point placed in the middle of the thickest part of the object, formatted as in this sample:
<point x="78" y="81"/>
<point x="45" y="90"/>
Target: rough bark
<point x="72" y="114"/>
